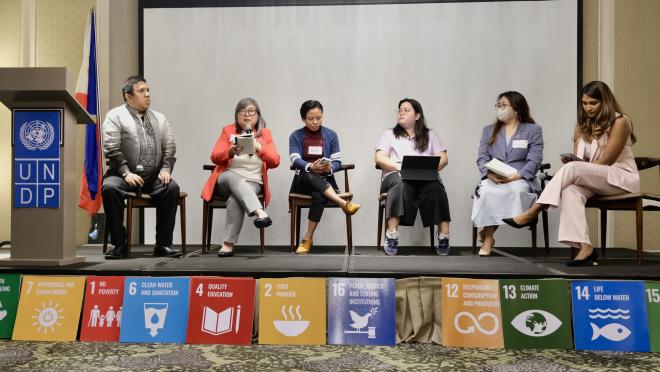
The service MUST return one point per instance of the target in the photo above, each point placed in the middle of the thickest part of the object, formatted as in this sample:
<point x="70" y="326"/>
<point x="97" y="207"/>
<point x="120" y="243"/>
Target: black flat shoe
<point x="117" y="253"/>
<point x="512" y="223"/>
<point x="589" y="261"/>
<point x="263" y="222"/>
<point x="225" y="254"/>
<point x="165" y="251"/>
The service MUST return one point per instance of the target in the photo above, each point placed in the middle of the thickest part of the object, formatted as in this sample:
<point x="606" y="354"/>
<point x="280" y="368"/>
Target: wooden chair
<point x="141" y="202"/>
<point x="299" y="201"/>
<point x="544" y="177"/>
<point x="382" y="199"/>
<point x="626" y="202"/>
<point x="217" y="202"/>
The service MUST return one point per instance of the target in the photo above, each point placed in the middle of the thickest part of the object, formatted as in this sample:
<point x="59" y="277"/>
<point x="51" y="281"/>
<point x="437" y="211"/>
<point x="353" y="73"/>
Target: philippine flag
<point x="88" y="97"/>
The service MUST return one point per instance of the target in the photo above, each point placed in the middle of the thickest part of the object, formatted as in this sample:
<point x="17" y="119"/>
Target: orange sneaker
<point x="304" y="247"/>
<point x="351" y="208"/>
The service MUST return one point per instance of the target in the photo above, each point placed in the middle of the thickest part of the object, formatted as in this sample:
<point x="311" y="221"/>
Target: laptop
<point x="420" y="168"/>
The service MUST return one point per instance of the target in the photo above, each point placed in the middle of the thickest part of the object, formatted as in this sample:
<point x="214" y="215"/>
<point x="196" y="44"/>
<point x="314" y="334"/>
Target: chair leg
<point x="380" y="226"/>
<point x="298" y="213"/>
<point x="603" y="231"/>
<point x="182" y="211"/>
<point x="105" y="234"/>
<point x="432" y="236"/>
<point x="639" y="216"/>
<point x="474" y="239"/>
<point x="129" y="224"/>
<point x="261" y="240"/>
<point x="544" y="217"/>
<point x="349" y="234"/>
<point x="292" y="212"/>
<point x="209" y="230"/>
<point x="533" y="228"/>
<point x="205" y="217"/>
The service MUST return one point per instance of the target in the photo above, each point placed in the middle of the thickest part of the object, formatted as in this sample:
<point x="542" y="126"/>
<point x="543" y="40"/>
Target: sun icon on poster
<point x="47" y="317"/>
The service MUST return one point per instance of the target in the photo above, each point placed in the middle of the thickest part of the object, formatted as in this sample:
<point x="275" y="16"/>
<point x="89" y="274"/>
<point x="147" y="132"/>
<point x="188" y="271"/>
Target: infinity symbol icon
<point x="476" y="321"/>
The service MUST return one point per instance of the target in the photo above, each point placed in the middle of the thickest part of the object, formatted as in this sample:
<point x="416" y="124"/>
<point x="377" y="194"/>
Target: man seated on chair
<point x="138" y="144"/>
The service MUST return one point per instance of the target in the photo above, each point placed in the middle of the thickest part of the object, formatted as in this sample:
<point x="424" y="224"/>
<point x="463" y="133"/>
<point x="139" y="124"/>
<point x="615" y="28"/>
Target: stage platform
<point x="333" y="261"/>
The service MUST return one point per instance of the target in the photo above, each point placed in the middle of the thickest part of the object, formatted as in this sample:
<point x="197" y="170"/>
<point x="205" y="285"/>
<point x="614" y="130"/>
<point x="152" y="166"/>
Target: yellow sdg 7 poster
<point x="49" y="308"/>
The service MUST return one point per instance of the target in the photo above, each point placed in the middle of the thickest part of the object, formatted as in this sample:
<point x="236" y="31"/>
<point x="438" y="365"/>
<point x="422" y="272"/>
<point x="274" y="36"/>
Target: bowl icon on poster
<point x="291" y="328"/>
<point x="292" y="325"/>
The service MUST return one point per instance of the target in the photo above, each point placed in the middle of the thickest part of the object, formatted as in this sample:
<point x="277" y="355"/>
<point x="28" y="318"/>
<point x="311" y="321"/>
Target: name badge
<point x="315" y="150"/>
<point x="519" y="144"/>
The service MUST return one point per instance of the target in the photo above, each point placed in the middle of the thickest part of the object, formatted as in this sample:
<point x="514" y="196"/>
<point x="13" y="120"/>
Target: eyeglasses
<point x="142" y="91"/>
<point x="247" y="112"/>
<point x="404" y="110"/>
<point x="502" y="105"/>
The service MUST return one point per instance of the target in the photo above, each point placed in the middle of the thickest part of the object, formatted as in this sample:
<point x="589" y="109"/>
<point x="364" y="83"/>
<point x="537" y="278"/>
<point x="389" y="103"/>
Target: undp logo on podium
<point x="36" y="139"/>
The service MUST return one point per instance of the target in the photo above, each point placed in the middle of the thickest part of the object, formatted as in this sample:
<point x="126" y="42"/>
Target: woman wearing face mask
<point x="239" y="176"/>
<point x="411" y="136"/>
<point x="314" y="152"/>
<point x="602" y="140"/>
<point x="516" y="140"/>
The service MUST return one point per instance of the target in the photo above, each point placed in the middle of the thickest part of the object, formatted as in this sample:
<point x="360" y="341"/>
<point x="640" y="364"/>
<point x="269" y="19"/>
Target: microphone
<point x="139" y="168"/>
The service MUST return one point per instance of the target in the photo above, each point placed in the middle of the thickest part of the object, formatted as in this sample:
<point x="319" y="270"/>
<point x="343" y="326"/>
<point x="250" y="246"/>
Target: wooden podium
<point x="42" y="233"/>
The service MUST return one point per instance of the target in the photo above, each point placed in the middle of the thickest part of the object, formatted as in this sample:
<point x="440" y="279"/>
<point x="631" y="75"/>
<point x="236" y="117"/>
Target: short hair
<point x="127" y="87"/>
<point x="243" y="103"/>
<point x="309" y="105"/>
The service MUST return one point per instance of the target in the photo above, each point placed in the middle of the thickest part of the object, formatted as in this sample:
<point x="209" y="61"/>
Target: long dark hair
<point x="245" y="102"/>
<point x="588" y="128"/>
<point x="520" y="108"/>
<point x="421" y="130"/>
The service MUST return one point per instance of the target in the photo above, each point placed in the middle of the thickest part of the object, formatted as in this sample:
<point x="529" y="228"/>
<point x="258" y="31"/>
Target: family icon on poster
<point x="292" y="325"/>
<point x="361" y="321"/>
<point x="107" y="319"/>
<point x="47" y="317"/>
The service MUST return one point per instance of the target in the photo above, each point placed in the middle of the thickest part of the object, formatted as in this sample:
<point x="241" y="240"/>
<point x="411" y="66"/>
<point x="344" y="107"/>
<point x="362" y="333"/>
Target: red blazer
<point x="269" y="156"/>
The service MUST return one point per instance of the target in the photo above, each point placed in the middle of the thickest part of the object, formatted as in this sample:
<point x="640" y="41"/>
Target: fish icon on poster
<point x="613" y="332"/>
<point x="536" y="323"/>
<point x="362" y="321"/>
<point x="219" y="323"/>
<point x="292" y="325"/>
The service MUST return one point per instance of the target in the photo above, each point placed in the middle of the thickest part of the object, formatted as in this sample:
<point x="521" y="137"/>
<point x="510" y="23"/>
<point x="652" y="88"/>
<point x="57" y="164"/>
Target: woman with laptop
<point x="510" y="154"/>
<point x="411" y="137"/>
<point x="314" y="152"/>
<point x="242" y="156"/>
<point x="602" y="163"/>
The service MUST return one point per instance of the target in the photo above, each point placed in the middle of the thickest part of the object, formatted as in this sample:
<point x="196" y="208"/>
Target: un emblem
<point x="37" y="135"/>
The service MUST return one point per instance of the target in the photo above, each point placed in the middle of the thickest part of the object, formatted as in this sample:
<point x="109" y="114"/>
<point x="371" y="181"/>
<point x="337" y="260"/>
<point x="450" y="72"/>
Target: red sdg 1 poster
<point x="101" y="318"/>
<point x="221" y="310"/>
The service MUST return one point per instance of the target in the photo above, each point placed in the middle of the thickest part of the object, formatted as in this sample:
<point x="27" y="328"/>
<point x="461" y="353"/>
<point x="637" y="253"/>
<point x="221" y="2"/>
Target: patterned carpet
<point x="80" y="356"/>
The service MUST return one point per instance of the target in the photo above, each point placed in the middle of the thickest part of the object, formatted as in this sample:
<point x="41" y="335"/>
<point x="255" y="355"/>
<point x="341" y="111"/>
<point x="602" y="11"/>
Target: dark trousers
<point x="310" y="183"/>
<point x="404" y="198"/>
<point x="164" y="196"/>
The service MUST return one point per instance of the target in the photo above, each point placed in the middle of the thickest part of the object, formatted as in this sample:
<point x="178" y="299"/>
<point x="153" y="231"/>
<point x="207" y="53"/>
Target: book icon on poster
<point x="218" y="323"/>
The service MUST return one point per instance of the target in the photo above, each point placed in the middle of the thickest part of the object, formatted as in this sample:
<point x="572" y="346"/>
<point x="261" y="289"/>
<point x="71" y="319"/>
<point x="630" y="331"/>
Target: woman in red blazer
<point x="240" y="175"/>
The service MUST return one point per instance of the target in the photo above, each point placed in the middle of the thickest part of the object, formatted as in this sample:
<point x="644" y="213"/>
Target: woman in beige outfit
<point x="602" y="143"/>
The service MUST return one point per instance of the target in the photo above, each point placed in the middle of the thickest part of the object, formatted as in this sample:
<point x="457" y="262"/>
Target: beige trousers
<point x="569" y="190"/>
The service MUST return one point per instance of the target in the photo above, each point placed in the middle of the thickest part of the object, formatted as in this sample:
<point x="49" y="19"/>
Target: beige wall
<point x="637" y="88"/>
<point x="10" y="56"/>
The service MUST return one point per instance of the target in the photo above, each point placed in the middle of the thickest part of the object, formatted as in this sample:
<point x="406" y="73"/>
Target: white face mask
<point x="505" y="114"/>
